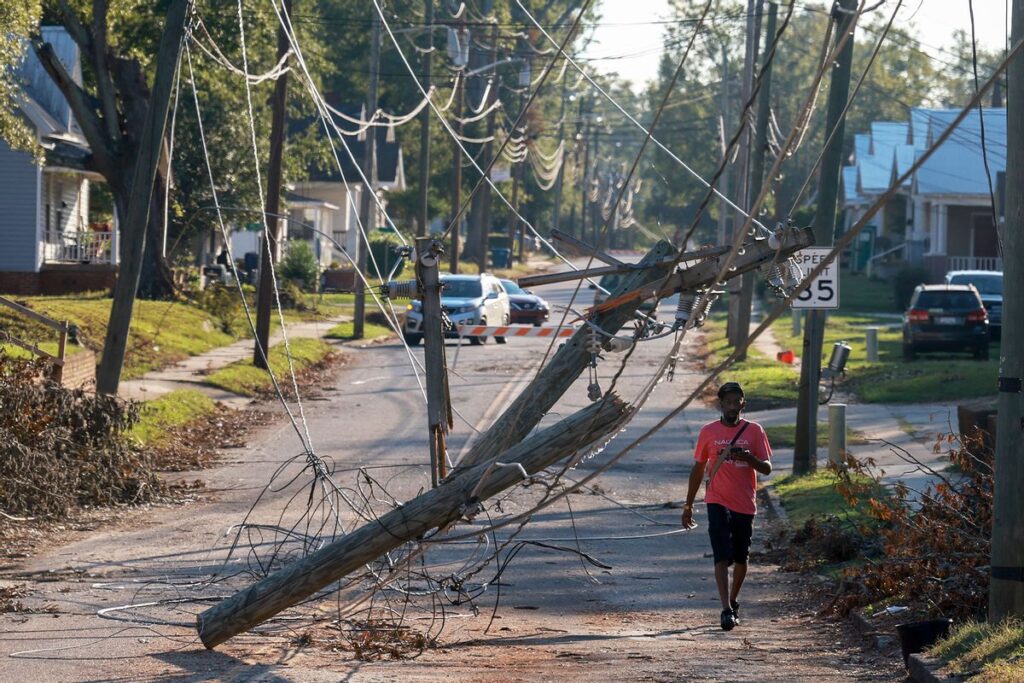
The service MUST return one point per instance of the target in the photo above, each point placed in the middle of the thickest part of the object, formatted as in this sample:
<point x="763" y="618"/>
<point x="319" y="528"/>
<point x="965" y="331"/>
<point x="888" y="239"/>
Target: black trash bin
<point x="501" y="257"/>
<point x="917" y="635"/>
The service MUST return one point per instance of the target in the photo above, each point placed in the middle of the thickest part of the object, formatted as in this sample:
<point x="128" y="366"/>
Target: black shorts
<point x="730" y="534"/>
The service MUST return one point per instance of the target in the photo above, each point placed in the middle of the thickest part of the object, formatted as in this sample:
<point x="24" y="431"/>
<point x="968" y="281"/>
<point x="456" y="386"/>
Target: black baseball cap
<point x="730" y="388"/>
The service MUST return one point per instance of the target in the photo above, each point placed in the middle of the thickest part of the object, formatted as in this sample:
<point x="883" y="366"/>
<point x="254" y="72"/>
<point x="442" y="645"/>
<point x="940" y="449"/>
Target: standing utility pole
<point x="556" y="218"/>
<point x="482" y="198"/>
<point x="584" y="174"/>
<point x="805" y="454"/>
<point x="269" y="249"/>
<point x="595" y="209"/>
<point x="1006" y="592"/>
<point x="439" y="408"/>
<point x="366" y="204"/>
<point x="424" y="210"/>
<point x="137" y="218"/>
<point x="517" y="230"/>
<point x="741" y="288"/>
<point x="723" y="183"/>
<point x="456" y="174"/>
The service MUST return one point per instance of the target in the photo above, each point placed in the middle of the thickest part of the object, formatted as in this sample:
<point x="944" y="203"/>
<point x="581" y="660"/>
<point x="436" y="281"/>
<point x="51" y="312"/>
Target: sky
<point x="629" y="41"/>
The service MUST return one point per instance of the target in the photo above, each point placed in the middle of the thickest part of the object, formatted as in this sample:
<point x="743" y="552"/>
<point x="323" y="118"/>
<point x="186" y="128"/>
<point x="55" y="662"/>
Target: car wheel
<point x="981" y="352"/>
<point x="908" y="351"/>
<point x="412" y="339"/>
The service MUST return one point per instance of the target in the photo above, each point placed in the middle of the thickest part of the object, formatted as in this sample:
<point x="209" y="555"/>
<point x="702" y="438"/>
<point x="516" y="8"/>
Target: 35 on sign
<point x="823" y="291"/>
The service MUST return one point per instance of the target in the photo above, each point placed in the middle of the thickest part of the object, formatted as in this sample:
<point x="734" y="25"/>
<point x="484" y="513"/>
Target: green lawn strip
<point x="784" y="436"/>
<point x="993" y="652"/>
<point x="243" y="378"/>
<point x="815" y="495"/>
<point x="157" y="418"/>
<point x="370" y="331"/>
<point x="162" y="332"/>
<point x="860" y="294"/>
<point x="893" y="380"/>
<point x="764" y="380"/>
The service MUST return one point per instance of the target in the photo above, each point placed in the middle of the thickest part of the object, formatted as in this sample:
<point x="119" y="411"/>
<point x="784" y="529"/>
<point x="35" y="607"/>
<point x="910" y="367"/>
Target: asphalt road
<point x="650" y="615"/>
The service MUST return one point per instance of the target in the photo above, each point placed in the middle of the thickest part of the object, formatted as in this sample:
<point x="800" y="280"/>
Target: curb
<point x="774" y="504"/>
<point x="925" y="669"/>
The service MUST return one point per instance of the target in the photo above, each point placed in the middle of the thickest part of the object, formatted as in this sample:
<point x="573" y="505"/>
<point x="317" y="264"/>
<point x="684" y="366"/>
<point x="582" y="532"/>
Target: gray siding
<point x="19" y="212"/>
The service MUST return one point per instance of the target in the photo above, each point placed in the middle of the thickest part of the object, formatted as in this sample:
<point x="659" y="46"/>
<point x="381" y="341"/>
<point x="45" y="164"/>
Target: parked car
<point x="990" y="285"/>
<point x="466" y="300"/>
<point x="527" y="307"/>
<point x="609" y="283"/>
<point x="945" y="317"/>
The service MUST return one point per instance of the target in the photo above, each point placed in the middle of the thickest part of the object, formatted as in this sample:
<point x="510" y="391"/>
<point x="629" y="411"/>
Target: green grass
<point x="814" y="495"/>
<point x="765" y="381"/>
<point x="370" y="331"/>
<point x="784" y="436"/>
<point x="994" y="651"/>
<point x="243" y="378"/>
<point x="860" y="294"/>
<point x="162" y="332"/>
<point x="931" y="377"/>
<point x="174" y="409"/>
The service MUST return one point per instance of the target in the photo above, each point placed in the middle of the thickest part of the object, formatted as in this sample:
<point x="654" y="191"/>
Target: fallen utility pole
<point x="1006" y="591"/>
<point x="805" y="452"/>
<point x="366" y="203"/>
<point x="108" y="376"/>
<point x="654" y="277"/>
<point x="439" y="407"/>
<point x="269" y="249"/>
<point x="438" y="508"/>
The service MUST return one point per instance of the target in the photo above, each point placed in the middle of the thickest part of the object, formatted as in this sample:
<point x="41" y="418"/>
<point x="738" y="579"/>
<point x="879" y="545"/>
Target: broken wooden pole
<point x="565" y="366"/>
<point x="437" y="508"/>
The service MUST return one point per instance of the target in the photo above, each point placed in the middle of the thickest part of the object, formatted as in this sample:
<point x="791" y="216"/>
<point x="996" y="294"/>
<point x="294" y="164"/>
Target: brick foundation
<point x="55" y="279"/>
<point x="79" y="370"/>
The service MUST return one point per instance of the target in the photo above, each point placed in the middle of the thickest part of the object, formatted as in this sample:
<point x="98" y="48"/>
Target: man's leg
<point x="722" y="579"/>
<point x="739" y="572"/>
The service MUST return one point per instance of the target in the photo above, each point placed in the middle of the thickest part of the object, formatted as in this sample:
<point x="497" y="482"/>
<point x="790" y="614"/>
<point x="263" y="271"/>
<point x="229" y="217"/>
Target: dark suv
<point x="945" y="317"/>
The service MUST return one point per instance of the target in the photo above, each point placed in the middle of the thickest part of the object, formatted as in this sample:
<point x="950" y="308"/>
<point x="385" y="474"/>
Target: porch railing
<point x="87" y="246"/>
<point x="993" y="263"/>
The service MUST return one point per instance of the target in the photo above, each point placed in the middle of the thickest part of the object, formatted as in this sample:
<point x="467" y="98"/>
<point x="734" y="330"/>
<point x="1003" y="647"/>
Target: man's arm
<point x="761" y="466"/>
<point x="696" y="475"/>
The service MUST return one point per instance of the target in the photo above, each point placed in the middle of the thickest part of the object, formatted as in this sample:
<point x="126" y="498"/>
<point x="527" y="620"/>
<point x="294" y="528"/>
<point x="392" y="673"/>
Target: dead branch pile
<point x="935" y="549"/>
<point x="62" y="449"/>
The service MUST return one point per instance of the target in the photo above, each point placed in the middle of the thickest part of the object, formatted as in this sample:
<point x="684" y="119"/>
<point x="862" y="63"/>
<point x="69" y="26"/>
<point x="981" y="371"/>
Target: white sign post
<point x="824" y="289"/>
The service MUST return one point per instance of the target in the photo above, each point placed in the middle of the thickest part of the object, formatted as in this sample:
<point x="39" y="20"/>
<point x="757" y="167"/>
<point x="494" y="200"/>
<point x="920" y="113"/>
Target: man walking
<point x="733" y="451"/>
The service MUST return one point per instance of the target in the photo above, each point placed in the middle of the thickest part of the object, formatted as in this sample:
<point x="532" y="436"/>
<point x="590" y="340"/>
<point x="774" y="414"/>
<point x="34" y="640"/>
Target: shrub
<point x="382" y="247"/>
<point x="62" y="449"/>
<point x="222" y="302"/>
<point x="906" y="279"/>
<point x="300" y="264"/>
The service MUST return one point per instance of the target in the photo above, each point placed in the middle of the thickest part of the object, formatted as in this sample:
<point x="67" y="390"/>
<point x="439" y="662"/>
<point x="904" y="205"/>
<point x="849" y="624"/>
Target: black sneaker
<point x="735" y="612"/>
<point x="728" y="620"/>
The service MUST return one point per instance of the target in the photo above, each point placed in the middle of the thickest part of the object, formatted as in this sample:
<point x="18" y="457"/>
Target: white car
<point x="466" y="300"/>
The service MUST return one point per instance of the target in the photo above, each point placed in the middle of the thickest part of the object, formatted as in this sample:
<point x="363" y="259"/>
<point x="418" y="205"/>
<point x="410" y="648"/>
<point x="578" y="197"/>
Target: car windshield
<point x="986" y="284"/>
<point x="512" y="288"/>
<point x="461" y="289"/>
<point x="941" y="299"/>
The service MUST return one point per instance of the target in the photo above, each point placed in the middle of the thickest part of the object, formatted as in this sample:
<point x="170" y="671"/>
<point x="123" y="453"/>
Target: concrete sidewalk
<point x="190" y="373"/>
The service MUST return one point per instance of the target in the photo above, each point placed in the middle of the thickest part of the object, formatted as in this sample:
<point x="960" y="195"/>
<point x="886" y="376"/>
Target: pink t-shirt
<point x="735" y="482"/>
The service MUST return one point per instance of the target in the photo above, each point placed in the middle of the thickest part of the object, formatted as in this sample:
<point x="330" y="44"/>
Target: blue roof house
<point x="47" y="244"/>
<point x="941" y="217"/>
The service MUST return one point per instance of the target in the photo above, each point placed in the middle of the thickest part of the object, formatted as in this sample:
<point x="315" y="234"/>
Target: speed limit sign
<point x="823" y="291"/>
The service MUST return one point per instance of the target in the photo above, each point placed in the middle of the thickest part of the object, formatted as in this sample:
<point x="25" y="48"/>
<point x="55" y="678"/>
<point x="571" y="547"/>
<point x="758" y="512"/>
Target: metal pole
<point x="836" y="433"/>
<point x="366" y="208"/>
<point x="1006" y="592"/>
<point x="424" y="209"/>
<point x="439" y="413"/>
<point x="269" y="249"/>
<point x="797" y="322"/>
<point x="805" y="453"/>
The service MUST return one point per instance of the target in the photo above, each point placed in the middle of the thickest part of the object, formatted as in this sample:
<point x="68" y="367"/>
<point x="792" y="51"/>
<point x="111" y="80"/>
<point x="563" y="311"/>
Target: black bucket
<point x="917" y="635"/>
